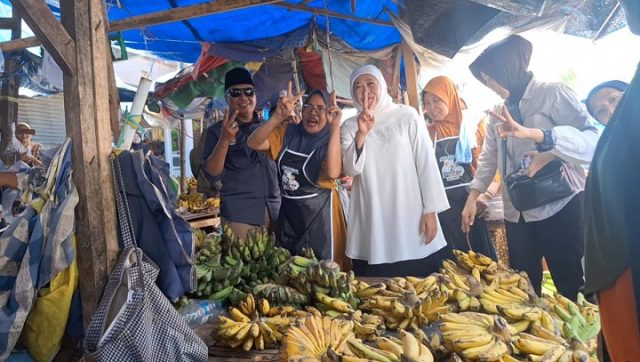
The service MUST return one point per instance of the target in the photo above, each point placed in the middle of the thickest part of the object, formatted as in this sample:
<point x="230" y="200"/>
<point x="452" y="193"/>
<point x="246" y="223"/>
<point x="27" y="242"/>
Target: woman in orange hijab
<point x="457" y="143"/>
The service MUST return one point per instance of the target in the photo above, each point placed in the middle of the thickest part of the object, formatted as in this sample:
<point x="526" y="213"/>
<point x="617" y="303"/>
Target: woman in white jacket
<point x="397" y="191"/>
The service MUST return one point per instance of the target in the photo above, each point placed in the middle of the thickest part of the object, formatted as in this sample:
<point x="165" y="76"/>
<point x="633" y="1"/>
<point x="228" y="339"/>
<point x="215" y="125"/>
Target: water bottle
<point x="266" y="110"/>
<point x="199" y="312"/>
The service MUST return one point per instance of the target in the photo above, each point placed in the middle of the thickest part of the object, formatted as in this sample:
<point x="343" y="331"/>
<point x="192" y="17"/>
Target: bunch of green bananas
<point x="214" y="277"/>
<point x="278" y="294"/>
<point x="581" y="322"/>
<point x="325" y="278"/>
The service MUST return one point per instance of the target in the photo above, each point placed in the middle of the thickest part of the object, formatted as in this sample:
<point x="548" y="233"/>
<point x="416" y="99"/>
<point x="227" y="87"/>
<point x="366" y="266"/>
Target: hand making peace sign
<point x="366" y="118"/>
<point x="286" y="108"/>
<point x="334" y="114"/>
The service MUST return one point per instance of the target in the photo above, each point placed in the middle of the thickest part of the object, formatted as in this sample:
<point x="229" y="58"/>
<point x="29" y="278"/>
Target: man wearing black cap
<point x="249" y="195"/>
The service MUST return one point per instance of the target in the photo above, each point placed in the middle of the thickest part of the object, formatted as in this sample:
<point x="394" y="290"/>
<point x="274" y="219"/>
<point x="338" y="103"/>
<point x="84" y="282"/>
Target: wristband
<point x="547" y="144"/>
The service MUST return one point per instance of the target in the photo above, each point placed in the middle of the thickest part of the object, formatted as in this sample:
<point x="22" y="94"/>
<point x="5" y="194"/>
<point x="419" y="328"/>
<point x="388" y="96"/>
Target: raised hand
<point x="229" y="127"/>
<point x="334" y="114"/>
<point x="509" y="127"/>
<point x="286" y="108"/>
<point x="366" y="118"/>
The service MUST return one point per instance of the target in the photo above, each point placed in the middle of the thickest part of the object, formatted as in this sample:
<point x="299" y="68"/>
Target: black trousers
<point x="415" y="268"/>
<point x="559" y="239"/>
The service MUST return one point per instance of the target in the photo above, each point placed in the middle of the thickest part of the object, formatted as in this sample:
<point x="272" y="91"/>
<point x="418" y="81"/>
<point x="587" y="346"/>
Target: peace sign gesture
<point x="287" y="105"/>
<point x="366" y="118"/>
<point x="334" y="114"/>
<point x="508" y="126"/>
<point x="229" y="127"/>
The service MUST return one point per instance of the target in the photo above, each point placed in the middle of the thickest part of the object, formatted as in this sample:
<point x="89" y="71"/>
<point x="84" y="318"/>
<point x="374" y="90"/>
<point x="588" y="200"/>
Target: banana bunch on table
<point x="476" y="336"/>
<point x="253" y="324"/>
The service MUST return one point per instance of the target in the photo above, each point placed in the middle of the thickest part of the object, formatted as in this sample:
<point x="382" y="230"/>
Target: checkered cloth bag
<point x="135" y="321"/>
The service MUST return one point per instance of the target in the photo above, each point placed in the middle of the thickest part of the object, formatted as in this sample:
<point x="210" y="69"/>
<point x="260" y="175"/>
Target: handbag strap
<point x="504" y="157"/>
<point x="124" y="215"/>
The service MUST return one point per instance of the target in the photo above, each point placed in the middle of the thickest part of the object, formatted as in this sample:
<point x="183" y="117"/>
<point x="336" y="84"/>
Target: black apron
<point x="305" y="215"/>
<point x="456" y="178"/>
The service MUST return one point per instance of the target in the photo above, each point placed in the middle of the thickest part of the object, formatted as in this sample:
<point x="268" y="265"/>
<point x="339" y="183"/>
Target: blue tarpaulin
<point x="181" y="40"/>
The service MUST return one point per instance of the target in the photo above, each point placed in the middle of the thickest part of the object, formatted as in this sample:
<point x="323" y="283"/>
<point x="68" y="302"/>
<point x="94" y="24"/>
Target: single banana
<point x="238" y="316"/>
<point x="471" y="342"/>
<point x="389" y="346"/>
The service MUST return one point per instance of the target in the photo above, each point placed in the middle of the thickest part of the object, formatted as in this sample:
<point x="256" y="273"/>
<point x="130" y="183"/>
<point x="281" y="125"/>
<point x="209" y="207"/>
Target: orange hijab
<point x="444" y="89"/>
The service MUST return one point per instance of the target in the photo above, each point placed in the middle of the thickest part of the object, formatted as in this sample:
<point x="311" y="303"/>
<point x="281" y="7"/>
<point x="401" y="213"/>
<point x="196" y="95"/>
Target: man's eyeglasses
<point x="309" y="107"/>
<point x="236" y="92"/>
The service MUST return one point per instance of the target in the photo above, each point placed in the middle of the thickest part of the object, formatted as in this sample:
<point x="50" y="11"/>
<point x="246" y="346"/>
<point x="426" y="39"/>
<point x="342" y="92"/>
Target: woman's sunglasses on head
<point x="236" y="92"/>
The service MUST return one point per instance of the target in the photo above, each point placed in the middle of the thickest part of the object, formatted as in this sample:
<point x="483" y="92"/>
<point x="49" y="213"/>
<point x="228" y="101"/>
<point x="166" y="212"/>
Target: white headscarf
<point x="384" y="99"/>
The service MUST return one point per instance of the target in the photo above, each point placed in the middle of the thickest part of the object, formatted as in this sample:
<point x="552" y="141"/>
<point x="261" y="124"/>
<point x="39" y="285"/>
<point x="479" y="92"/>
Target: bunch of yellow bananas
<point x="399" y="312"/>
<point x="196" y="202"/>
<point x="254" y="324"/>
<point x="471" y="260"/>
<point x="311" y="338"/>
<point x="476" y="336"/>
<point x="367" y="326"/>
<point x="388" y="349"/>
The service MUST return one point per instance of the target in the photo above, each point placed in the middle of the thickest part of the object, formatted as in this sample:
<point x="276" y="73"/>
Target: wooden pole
<point x="183" y="151"/>
<point x="9" y="92"/>
<point x="411" y="75"/>
<point x="88" y="125"/>
<point x="395" y="79"/>
<point x="114" y="98"/>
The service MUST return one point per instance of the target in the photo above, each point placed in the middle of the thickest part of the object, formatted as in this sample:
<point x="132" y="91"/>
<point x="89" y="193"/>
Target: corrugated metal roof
<point x="46" y="116"/>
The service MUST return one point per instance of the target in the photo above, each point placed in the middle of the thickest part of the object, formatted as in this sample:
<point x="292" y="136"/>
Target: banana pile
<point x="258" y="255"/>
<point x="215" y="280"/>
<point x="406" y="348"/>
<point x="229" y="268"/>
<point x="279" y="294"/>
<point x="311" y="339"/>
<point x="253" y="325"/>
<point x="476" y="336"/>
<point x="325" y="281"/>
<point x="367" y="326"/>
<point x="196" y="202"/>
<point x="580" y="321"/>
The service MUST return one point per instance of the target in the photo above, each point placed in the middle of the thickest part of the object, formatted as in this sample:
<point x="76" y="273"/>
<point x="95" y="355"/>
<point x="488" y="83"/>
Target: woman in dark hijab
<point x="550" y="115"/>
<point x="612" y="248"/>
<point x="307" y="152"/>
<point x="604" y="98"/>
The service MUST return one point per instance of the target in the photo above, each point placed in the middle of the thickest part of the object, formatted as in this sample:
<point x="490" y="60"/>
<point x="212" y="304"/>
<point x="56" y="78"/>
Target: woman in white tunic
<point x="397" y="190"/>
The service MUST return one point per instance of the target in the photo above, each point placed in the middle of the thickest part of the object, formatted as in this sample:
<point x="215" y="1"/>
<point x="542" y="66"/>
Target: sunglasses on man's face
<point x="236" y="92"/>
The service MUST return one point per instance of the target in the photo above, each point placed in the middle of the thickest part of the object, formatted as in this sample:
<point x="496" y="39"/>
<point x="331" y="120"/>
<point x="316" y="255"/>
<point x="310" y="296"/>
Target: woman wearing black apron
<point x="309" y="160"/>
<point x="457" y="145"/>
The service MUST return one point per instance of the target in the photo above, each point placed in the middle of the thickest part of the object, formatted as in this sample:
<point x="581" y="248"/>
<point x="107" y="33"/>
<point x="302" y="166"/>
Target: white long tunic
<point x="396" y="181"/>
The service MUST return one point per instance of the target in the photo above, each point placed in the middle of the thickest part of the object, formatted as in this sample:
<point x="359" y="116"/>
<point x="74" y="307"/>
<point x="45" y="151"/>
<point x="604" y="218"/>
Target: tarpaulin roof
<point x="181" y="40"/>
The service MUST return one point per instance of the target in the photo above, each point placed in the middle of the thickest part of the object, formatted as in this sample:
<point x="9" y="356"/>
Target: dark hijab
<point x="299" y="140"/>
<point x="506" y="62"/>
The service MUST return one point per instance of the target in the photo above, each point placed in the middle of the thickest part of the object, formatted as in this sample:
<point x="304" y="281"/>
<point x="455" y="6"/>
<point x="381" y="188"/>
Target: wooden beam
<point x="86" y="107"/>
<point x="184" y="13"/>
<point x="411" y="74"/>
<point x="19" y="44"/>
<point x="9" y="23"/>
<point x="160" y="17"/>
<point x="333" y="14"/>
<point x="395" y="79"/>
<point x="48" y="29"/>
